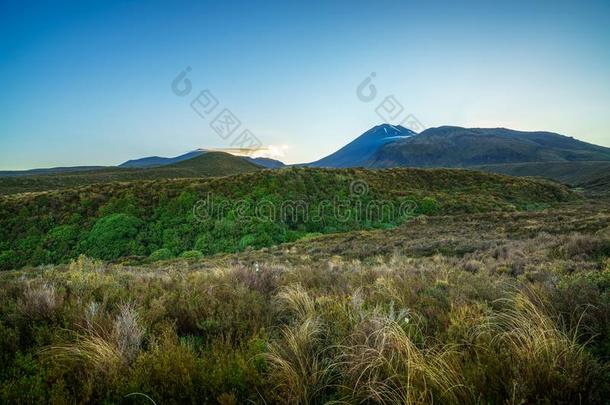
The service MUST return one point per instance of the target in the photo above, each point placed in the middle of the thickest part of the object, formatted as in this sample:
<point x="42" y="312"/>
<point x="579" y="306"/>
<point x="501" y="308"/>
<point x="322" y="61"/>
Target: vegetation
<point x="165" y="218"/>
<point x="469" y="308"/>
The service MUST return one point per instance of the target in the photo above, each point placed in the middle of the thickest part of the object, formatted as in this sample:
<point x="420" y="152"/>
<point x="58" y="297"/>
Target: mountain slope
<point x="465" y="147"/>
<point x="266" y="162"/>
<point x="360" y="151"/>
<point x="599" y="186"/>
<point x="572" y="173"/>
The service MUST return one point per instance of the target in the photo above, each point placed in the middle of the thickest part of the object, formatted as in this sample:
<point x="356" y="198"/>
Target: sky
<point x="96" y="82"/>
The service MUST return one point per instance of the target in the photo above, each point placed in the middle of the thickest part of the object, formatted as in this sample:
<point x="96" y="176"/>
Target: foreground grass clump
<point x="508" y="321"/>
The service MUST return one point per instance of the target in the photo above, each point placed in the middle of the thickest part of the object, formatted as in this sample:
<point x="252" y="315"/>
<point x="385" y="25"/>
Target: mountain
<point x="160" y="161"/>
<point x="211" y="164"/>
<point x="266" y="162"/>
<point x="153" y="161"/>
<point x="360" y="151"/>
<point x="466" y="147"/>
<point x="518" y="153"/>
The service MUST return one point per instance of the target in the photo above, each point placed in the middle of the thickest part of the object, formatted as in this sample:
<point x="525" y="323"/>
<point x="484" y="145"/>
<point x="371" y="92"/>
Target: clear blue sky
<point x="89" y="82"/>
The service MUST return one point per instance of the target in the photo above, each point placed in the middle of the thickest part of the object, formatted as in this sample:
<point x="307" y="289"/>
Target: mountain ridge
<point x="360" y="150"/>
<point x="451" y="146"/>
<point x="151" y="161"/>
<point x="503" y="150"/>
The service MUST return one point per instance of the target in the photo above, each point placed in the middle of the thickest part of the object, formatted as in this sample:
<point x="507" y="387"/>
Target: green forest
<point x="190" y="218"/>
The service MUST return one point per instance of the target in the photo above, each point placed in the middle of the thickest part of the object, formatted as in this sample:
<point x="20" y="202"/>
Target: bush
<point x="168" y="371"/>
<point x="428" y="206"/>
<point x="191" y="254"/>
<point x="61" y="241"/>
<point x="161" y="254"/>
<point x="8" y="259"/>
<point x="113" y="236"/>
<point x="587" y="246"/>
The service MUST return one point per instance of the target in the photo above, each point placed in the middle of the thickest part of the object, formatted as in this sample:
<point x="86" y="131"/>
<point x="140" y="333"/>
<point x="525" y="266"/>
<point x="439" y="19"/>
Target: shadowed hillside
<point x="463" y="147"/>
<point x="573" y="173"/>
<point x="599" y="186"/>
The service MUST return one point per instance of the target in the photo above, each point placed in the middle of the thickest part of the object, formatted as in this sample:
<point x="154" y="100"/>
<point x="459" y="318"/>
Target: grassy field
<point x="465" y="308"/>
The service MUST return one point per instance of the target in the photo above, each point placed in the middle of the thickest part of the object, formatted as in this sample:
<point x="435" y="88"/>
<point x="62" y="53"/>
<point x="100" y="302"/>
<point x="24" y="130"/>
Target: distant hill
<point x="360" y="151"/>
<point x="520" y="153"/>
<point x="51" y="170"/>
<point x="153" y="161"/>
<point x="266" y="162"/>
<point x="209" y="164"/>
<point x="466" y="147"/>
<point x="161" y="161"/>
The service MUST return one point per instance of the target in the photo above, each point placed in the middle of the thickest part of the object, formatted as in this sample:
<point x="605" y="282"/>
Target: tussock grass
<point x="40" y="300"/>
<point x="296" y="300"/>
<point x="296" y="363"/>
<point x="101" y="349"/>
<point x="538" y="354"/>
<point x="296" y="360"/>
<point x="384" y="365"/>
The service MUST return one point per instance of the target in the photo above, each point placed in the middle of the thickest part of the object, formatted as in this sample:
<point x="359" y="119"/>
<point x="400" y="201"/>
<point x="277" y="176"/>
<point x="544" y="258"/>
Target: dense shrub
<point x="8" y="259"/>
<point x="591" y="246"/>
<point x="493" y="307"/>
<point x="428" y="206"/>
<point x="61" y="242"/>
<point x="191" y="254"/>
<point x="113" y="236"/>
<point x="161" y="254"/>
